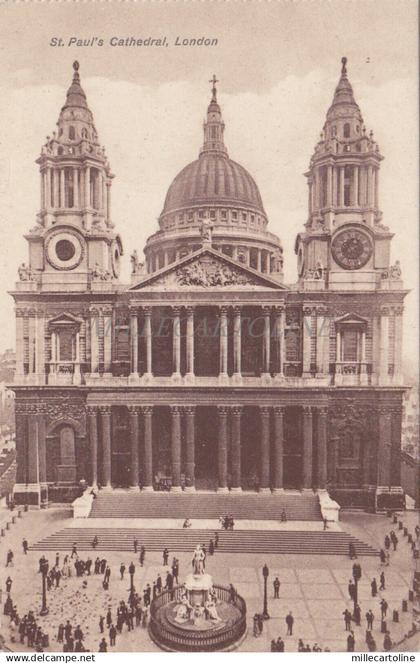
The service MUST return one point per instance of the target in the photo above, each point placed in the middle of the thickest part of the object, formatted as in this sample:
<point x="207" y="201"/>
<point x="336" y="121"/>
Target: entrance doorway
<point x="293" y="448"/>
<point x="206" y="448"/>
<point x="121" y="451"/>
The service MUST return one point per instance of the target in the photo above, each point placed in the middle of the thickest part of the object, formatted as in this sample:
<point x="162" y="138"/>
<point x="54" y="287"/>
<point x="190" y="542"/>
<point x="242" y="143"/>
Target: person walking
<point x="351" y="589"/>
<point x="357" y="614"/>
<point x="25" y="546"/>
<point x="216" y="540"/>
<point x="347" y="619"/>
<point x="95" y="542"/>
<point x="352" y="551"/>
<point x="122" y="570"/>
<point x="276" y="587"/>
<point x="9" y="558"/>
<point x="112" y="635"/>
<point x="374" y="587"/>
<point x="159" y="583"/>
<point x="384" y="608"/>
<point x="382" y="581"/>
<point x="9" y="583"/>
<point x="369" y="619"/>
<point x="103" y="648"/>
<point x="165" y="556"/>
<point x="74" y="550"/>
<point x="350" y="641"/>
<point x="101" y="624"/>
<point x="289" y="621"/>
<point x="142" y="556"/>
<point x="135" y="545"/>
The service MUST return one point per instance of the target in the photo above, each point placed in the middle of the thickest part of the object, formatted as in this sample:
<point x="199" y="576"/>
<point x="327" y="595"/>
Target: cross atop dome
<point x="214" y="125"/>
<point x="213" y="81"/>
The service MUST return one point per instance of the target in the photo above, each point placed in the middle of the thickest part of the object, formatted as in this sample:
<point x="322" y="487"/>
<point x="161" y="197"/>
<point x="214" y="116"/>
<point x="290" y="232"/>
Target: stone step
<point x="205" y="506"/>
<point x="243" y="541"/>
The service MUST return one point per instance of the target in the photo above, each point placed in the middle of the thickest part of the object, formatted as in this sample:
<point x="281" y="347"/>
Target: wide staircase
<point x="184" y="540"/>
<point x="206" y="506"/>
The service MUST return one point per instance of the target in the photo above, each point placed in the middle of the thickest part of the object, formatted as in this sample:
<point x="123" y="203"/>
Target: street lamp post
<point x="357" y="574"/>
<point x="131" y="571"/>
<point x="44" y="570"/>
<point x="265" y="572"/>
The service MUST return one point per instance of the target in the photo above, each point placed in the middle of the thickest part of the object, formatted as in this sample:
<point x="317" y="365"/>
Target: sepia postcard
<point x="209" y="407"/>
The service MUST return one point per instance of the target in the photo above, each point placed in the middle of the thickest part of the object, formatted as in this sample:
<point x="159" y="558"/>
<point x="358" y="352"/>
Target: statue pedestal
<point x="198" y="587"/>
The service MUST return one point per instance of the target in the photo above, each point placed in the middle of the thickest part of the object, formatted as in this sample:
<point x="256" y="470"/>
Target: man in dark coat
<point x="276" y="586"/>
<point x="289" y="621"/>
<point x="350" y="641"/>
<point x="347" y="619"/>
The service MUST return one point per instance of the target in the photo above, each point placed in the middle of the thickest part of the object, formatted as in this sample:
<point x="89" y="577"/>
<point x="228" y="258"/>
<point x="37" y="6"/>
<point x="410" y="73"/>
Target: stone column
<point x="190" y="443"/>
<point x="93" y="440"/>
<point x="307" y="447"/>
<point x="108" y="201"/>
<point x="31" y="340"/>
<point x="237" y="331"/>
<point x="355" y="198"/>
<point x="307" y="341"/>
<point x="42" y="450"/>
<point x="33" y="454"/>
<point x="266" y="341"/>
<point x="190" y="342"/>
<point x="236" y="449"/>
<point x="107" y="320"/>
<point x="176" y="448"/>
<point x="370" y="186"/>
<point x="76" y="202"/>
<point x="329" y="187"/>
<point x="148" y="331"/>
<point x="134" y="438"/>
<point x="222" y="449"/>
<point x="105" y="411"/>
<point x="278" y="449"/>
<point x="341" y="187"/>
<point x="176" y="342"/>
<point x="148" y="449"/>
<point x="279" y="341"/>
<point x="87" y="187"/>
<point x="21" y="424"/>
<point x="322" y="447"/>
<point x="398" y="313"/>
<point x="62" y="188"/>
<point x="94" y="341"/>
<point x="384" y="446"/>
<point x="56" y="187"/>
<point x="258" y="260"/>
<point x="265" y="450"/>
<point x="309" y="181"/>
<point x="384" y="347"/>
<point x="20" y="315"/>
<point x="134" y="343"/>
<point x="376" y="187"/>
<point x="223" y="371"/>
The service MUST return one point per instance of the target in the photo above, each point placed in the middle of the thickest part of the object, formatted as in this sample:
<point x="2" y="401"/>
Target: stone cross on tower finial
<point x="344" y="68"/>
<point x="214" y="91"/>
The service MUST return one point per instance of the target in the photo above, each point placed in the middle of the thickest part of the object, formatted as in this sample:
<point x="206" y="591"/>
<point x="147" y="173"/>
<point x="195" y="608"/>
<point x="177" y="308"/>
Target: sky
<point x="278" y="64"/>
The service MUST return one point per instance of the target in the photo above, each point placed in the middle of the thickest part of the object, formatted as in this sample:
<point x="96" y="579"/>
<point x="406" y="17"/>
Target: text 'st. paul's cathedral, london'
<point x="207" y="371"/>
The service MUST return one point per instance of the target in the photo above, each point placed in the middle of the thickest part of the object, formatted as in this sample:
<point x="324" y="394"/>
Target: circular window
<point x="64" y="249"/>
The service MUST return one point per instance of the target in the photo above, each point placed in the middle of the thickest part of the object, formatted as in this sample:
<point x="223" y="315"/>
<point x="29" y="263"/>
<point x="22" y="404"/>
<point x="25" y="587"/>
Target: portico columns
<point x="176" y="448"/>
<point x="384" y="446"/>
<point x="279" y="340"/>
<point x="265" y="450"/>
<point x="42" y="459"/>
<point x="134" y="343"/>
<point x="134" y="438"/>
<point x="278" y="449"/>
<point x="190" y="441"/>
<point x="236" y="449"/>
<point x="222" y="449"/>
<point x="105" y="411"/>
<point x="223" y="342"/>
<point x="322" y="447"/>
<point x="148" y="457"/>
<point x="176" y="342"/>
<point x="307" y="447"/>
<point x="148" y="332"/>
<point x="237" y="328"/>
<point x="267" y="341"/>
<point x="190" y="342"/>
<point x="93" y="439"/>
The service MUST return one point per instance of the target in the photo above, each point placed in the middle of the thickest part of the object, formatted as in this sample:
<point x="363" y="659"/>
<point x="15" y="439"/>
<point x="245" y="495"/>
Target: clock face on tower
<point x="351" y="248"/>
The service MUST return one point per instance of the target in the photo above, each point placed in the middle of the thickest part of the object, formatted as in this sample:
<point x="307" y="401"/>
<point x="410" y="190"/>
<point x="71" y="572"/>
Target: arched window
<point x="72" y="133"/>
<point x="346" y="130"/>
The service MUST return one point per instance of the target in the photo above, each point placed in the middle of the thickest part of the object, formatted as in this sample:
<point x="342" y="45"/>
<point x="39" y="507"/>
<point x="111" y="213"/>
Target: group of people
<point x="134" y="614"/>
<point x="227" y="522"/>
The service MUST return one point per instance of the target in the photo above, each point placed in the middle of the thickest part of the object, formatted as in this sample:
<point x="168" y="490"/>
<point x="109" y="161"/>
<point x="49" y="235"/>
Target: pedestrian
<point x="347" y="619"/>
<point x="74" y="550"/>
<point x="352" y="551"/>
<point x="280" y="644"/>
<point x="232" y="594"/>
<point x="142" y="555"/>
<point x="374" y="587"/>
<point x="95" y="542"/>
<point x="9" y="582"/>
<point x="78" y="633"/>
<point x="357" y="614"/>
<point x="165" y="556"/>
<point x="256" y="628"/>
<point x="108" y="618"/>
<point x="382" y="581"/>
<point x="60" y="633"/>
<point x="211" y="547"/>
<point x="122" y="570"/>
<point x="101" y="623"/>
<point x="9" y="558"/>
<point x="159" y="583"/>
<point x="351" y="589"/>
<point x="57" y="559"/>
<point x="289" y="621"/>
<point x="350" y="641"/>
<point x="216" y="540"/>
<point x="325" y="521"/>
<point x="112" y="635"/>
<point x="382" y="556"/>
<point x="57" y="576"/>
<point x="135" y="545"/>
<point x="394" y="540"/>
<point x="103" y="646"/>
<point x="25" y="546"/>
<point x="276" y="586"/>
<point x="369" y="619"/>
<point x="387" y="640"/>
<point x="384" y="607"/>
<point x="387" y="542"/>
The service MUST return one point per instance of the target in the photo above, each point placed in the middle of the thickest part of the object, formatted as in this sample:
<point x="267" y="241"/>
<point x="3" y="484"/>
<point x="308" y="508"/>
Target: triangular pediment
<point x="351" y="319"/>
<point x="65" y="320"/>
<point x="206" y="269"/>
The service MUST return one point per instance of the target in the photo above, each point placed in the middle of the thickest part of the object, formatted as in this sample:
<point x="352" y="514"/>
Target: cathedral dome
<point x="213" y="179"/>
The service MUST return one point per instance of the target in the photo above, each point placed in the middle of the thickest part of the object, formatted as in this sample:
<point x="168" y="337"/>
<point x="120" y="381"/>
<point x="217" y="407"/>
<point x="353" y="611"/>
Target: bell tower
<point x="344" y="244"/>
<point x="73" y="242"/>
